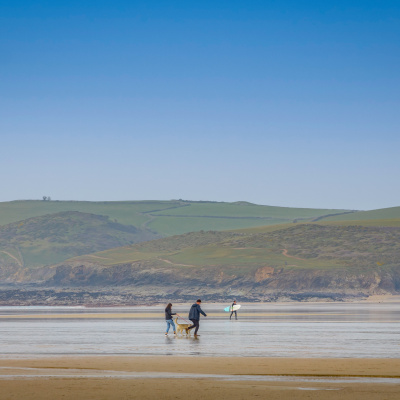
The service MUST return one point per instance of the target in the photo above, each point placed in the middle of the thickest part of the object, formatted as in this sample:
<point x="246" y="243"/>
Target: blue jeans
<point x="170" y="322"/>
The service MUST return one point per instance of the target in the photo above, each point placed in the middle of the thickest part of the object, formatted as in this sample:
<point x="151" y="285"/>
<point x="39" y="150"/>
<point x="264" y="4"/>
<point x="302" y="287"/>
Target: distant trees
<point x="46" y="198"/>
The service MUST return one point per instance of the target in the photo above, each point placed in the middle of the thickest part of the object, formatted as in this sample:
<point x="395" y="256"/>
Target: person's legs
<point x="192" y="326"/>
<point x="173" y="325"/>
<point x="231" y="314"/>
<point x="168" y="321"/>
<point x="235" y="314"/>
<point x="195" y="325"/>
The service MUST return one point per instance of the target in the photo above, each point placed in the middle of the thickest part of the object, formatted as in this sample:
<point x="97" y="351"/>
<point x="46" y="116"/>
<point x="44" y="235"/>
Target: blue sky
<point x="290" y="103"/>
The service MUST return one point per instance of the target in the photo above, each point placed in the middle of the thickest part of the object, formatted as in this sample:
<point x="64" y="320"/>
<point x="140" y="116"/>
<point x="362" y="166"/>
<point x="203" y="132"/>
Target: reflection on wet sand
<point x="332" y="330"/>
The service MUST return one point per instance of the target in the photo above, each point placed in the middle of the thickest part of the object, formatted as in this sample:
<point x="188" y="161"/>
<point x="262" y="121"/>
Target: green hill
<point x="207" y="247"/>
<point x="168" y="218"/>
<point x="52" y="238"/>
<point x="125" y="212"/>
<point x="328" y="259"/>
<point x="301" y="261"/>
<point x="308" y="245"/>
<point x="382" y="213"/>
<point x="40" y="233"/>
<point x="391" y="222"/>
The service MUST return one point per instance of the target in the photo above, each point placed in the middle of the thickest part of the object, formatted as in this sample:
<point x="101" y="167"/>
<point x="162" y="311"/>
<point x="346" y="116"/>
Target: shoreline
<point x="373" y="299"/>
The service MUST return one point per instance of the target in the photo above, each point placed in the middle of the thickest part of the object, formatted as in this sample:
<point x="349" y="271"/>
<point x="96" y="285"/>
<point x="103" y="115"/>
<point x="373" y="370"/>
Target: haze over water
<point x="262" y="330"/>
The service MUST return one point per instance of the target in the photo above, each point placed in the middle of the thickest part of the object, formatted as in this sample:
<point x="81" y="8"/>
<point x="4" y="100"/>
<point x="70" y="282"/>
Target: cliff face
<point x="263" y="280"/>
<point x="143" y="283"/>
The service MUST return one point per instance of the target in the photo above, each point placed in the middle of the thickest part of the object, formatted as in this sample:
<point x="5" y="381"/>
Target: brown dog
<point x="182" y="327"/>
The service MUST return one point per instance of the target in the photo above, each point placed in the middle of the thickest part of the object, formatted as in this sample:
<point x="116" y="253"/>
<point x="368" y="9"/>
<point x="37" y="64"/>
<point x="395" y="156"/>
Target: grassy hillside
<point x="125" y="212"/>
<point x="300" y="260"/>
<point x="52" y="238"/>
<point x="156" y="249"/>
<point x="330" y="259"/>
<point x="394" y="222"/>
<point x="168" y="217"/>
<point x="382" y="213"/>
<point x="218" y="245"/>
<point x="315" y="246"/>
<point x="226" y="216"/>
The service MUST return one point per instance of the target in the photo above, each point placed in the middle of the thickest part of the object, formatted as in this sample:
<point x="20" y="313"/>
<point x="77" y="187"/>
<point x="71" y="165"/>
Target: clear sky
<point x="287" y="103"/>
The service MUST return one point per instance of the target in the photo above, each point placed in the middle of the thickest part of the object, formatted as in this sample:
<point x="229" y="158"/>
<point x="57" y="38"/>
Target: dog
<point x="182" y="327"/>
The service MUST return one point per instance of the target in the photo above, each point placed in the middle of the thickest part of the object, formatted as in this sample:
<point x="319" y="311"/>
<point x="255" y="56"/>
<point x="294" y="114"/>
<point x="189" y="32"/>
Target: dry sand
<point x="125" y="378"/>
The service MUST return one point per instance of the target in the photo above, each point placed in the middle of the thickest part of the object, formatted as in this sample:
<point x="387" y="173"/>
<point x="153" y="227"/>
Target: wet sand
<point x="170" y="377"/>
<point x="160" y="316"/>
<point x="328" y="330"/>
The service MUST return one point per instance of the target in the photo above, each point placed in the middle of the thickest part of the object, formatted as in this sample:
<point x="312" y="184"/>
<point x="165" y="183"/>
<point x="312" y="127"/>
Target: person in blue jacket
<point x="194" y="316"/>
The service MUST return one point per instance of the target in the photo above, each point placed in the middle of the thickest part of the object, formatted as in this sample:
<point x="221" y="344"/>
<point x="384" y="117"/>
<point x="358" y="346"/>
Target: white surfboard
<point x="234" y="308"/>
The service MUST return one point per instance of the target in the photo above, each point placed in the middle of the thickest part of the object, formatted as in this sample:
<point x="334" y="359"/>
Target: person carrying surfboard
<point x="194" y="316"/>
<point x="233" y="310"/>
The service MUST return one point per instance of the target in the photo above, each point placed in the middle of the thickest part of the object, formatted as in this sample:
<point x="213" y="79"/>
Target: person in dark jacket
<point x="168" y="318"/>
<point x="194" y="316"/>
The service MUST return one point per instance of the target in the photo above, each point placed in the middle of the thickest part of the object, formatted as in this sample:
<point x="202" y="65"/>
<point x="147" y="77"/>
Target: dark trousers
<point x="196" y="324"/>
<point x="232" y="314"/>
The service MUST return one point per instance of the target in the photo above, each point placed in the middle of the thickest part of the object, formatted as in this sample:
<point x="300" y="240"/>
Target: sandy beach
<point x="170" y="377"/>
<point x="279" y="351"/>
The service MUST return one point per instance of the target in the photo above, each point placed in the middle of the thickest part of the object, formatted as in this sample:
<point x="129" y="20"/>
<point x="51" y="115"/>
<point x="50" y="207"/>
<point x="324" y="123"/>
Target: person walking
<point x="194" y="316"/>
<point x="232" y="310"/>
<point x="168" y="318"/>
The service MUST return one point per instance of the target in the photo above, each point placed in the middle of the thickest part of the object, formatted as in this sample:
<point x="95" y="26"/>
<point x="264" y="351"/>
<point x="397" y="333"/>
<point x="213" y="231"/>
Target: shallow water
<point x="9" y="373"/>
<point x="335" y="330"/>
